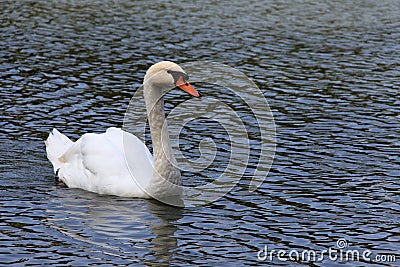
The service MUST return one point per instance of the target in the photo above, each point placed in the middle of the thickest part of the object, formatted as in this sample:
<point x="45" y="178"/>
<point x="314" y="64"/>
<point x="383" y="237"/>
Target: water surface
<point x="330" y="72"/>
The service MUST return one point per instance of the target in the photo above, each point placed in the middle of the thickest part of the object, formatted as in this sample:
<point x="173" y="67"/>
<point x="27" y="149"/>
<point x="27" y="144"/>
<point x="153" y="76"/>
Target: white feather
<point x="97" y="162"/>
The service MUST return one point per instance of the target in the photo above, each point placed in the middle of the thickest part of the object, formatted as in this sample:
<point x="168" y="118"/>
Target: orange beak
<point x="187" y="87"/>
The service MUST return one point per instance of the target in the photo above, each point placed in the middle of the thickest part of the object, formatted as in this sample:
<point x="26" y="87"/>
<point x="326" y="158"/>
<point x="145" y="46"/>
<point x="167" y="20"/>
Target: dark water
<point x="330" y="72"/>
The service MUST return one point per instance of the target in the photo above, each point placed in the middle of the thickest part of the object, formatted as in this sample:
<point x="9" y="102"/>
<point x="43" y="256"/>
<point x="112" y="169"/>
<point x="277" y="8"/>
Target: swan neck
<point x="165" y="166"/>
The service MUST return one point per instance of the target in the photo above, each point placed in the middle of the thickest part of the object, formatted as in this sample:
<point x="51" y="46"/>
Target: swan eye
<point x="177" y="74"/>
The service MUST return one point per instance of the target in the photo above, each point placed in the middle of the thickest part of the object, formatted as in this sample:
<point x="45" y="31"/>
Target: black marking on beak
<point x="177" y="74"/>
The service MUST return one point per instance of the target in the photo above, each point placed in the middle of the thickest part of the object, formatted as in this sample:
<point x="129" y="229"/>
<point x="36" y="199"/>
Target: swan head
<point x="166" y="74"/>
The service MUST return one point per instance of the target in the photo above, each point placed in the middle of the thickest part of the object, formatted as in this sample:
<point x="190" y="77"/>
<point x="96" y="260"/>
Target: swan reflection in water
<point x="125" y="229"/>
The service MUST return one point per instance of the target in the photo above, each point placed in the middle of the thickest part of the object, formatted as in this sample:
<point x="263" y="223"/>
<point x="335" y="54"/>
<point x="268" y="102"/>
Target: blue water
<point x="329" y="70"/>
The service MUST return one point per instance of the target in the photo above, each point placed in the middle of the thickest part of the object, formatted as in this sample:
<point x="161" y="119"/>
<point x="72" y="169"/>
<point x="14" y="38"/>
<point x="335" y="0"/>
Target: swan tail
<point x="56" y="145"/>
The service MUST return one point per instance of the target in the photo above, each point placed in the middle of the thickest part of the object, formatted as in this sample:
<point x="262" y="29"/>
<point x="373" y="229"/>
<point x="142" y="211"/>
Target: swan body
<point x="117" y="162"/>
<point x="96" y="162"/>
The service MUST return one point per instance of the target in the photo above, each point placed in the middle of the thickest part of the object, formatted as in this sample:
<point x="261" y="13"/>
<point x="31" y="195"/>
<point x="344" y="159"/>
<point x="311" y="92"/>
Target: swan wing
<point x="99" y="163"/>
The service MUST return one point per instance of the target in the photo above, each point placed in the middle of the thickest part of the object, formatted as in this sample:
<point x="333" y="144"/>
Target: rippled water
<point x="330" y="72"/>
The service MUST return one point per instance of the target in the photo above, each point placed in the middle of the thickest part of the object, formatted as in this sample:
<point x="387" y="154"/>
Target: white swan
<point x="117" y="162"/>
